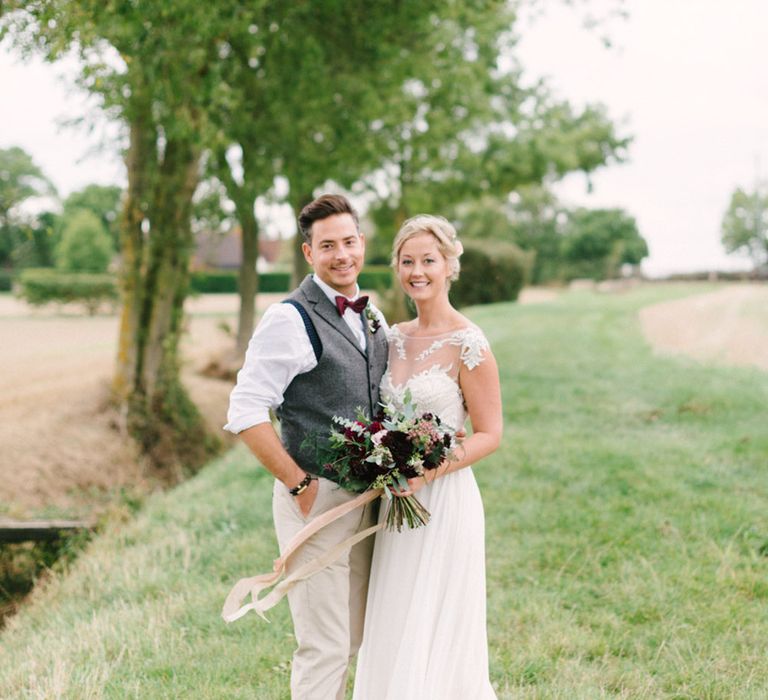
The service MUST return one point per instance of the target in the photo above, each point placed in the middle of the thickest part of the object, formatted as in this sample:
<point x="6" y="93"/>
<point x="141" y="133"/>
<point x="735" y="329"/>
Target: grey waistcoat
<point x="346" y="378"/>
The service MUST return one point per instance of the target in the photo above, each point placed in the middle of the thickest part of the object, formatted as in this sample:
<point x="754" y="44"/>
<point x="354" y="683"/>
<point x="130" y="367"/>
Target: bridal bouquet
<point x="387" y="451"/>
<point x="366" y="456"/>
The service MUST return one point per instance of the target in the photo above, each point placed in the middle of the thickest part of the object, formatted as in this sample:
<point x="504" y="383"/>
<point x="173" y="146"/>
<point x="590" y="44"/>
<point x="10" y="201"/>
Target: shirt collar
<point x="332" y="293"/>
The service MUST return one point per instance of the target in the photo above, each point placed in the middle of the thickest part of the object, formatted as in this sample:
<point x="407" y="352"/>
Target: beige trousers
<point x="328" y="610"/>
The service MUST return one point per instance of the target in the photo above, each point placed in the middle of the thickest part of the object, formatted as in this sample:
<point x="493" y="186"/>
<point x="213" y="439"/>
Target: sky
<point x="684" y="78"/>
<point x="688" y="80"/>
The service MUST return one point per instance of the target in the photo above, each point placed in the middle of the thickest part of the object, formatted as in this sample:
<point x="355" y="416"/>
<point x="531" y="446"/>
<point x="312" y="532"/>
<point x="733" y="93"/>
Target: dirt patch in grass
<point x="728" y="326"/>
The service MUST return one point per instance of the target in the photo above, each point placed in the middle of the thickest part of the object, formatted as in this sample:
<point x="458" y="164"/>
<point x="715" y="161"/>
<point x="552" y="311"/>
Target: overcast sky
<point x="689" y="80"/>
<point x="686" y="78"/>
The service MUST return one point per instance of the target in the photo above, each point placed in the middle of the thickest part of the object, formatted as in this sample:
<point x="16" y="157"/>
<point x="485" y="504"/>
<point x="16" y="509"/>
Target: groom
<point x="320" y="354"/>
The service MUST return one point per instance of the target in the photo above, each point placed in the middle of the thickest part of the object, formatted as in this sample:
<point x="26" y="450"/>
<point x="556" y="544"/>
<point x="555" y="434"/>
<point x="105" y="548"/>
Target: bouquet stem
<point x="406" y="510"/>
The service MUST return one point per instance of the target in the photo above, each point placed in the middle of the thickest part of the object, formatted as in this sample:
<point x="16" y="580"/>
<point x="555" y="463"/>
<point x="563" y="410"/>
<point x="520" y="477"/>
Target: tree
<point x="155" y="67"/>
<point x="466" y="130"/>
<point x="411" y="92"/>
<point x="476" y="133"/>
<point x="302" y="92"/>
<point x="104" y="201"/>
<point x="598" y="242"/>
<point x="37" y="241"/>
<point x="85" y="245"/>
<point x="20" y="180"/>
<point x="531" y="217"/>
<point x="745" y="225"/>
<point x="489" y="136"/>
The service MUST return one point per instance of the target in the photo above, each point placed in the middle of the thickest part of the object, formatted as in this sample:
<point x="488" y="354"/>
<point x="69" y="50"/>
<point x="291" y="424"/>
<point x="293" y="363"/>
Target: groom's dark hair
<point x="321" y="208"/>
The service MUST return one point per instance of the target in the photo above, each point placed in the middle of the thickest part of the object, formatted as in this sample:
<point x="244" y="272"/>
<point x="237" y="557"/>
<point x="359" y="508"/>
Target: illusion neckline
<point x="429" y="337"/>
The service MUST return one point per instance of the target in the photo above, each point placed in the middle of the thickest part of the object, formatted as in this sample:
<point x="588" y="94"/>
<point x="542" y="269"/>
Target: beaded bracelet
<point x="301" y="487"/>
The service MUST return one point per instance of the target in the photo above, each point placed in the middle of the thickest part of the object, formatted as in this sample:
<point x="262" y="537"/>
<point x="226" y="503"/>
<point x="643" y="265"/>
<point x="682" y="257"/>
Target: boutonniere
<point x="373" y="320"/>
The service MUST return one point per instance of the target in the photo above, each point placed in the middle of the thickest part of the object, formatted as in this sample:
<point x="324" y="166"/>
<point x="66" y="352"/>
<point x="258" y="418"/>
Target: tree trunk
<point x="300" y="268"/>
<point x="244" y="197"/>
<point x="156" y="245"/>
<point x="248" y="281"/>
<point x="396" y="304"/>
<point x="141" y="152"/>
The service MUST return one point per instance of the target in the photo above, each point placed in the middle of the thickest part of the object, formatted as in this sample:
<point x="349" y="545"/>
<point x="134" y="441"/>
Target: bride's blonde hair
<point x="448" y="242"/>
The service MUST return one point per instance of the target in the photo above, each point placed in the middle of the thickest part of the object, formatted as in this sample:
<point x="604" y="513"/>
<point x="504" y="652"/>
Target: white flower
<point x="417" y="463"/>
<point x="376" y="438"/>
<point x="379" y="455"/>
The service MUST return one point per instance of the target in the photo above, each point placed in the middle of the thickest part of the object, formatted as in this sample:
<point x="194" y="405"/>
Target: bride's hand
<point x="416" y="483"/>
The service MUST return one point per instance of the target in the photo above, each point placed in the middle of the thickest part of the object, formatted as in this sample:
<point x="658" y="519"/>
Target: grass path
<point x="627" y="529"/>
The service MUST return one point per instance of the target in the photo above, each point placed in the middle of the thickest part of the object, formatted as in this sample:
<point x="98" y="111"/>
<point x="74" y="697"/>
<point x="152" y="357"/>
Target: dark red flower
<point x="399" y="446"/>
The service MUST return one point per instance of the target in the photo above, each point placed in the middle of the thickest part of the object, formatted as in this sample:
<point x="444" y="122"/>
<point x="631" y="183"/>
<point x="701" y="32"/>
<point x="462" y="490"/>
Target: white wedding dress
<point x="425" y="629"/>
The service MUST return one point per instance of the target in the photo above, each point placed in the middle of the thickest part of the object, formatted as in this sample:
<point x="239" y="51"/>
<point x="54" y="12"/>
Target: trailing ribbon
<point x="233" y="605"/>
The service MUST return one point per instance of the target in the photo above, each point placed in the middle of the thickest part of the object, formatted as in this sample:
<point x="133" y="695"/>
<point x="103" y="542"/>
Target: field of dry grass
<point x="727" y="326"/>
<point x="61" y="449"/>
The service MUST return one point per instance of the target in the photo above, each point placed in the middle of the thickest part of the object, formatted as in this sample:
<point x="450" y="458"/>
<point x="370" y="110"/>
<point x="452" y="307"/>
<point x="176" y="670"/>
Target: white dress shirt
<point x="278" y="351"/>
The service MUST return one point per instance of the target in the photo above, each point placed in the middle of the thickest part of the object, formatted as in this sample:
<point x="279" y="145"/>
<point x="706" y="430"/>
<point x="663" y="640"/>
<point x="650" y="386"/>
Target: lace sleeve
<point x="473" y="347"/>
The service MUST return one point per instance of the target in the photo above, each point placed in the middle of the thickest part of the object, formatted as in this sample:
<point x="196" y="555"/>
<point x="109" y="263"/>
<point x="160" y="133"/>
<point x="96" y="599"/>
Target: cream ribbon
<point x="233" y="605"/>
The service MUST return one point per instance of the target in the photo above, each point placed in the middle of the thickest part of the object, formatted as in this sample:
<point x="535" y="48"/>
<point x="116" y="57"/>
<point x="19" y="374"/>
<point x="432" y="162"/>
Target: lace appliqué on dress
<point x="453" y="339"/>
<point x="433" y="371"/>
<point x="470" y="339"/>
<point x="395" y="336"/>
<point x="473" y="347"/>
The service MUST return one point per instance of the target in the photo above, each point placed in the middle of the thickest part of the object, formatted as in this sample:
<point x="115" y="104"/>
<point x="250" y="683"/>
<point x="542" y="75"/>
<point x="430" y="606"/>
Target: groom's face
<point x="336" y="252"/>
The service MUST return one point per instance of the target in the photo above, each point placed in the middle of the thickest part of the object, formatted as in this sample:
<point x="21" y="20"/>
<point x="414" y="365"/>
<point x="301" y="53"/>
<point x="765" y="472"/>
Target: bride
<point x="425" y="629"/>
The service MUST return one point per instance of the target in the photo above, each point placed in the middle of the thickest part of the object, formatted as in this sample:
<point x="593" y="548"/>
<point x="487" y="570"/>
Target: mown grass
<point x="627" y="529"/>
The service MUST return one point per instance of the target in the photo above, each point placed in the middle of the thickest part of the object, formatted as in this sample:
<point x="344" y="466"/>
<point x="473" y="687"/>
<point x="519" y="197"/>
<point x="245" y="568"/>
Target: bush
<point x="6" y="281"/>
<point x="225" y="282"/>
<point x="494" y="273"/>
<point x="377" y="277"/>
<point x="85" y="245"/>
<point x="45" y="286"/>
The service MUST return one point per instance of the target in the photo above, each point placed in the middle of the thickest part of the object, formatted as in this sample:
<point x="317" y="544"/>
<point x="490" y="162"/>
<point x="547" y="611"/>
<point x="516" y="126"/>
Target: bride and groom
<point x="413" y="603"/>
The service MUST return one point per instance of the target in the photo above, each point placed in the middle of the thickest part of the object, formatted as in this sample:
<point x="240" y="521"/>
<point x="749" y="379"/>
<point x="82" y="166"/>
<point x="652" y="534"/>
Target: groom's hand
<point x="306" y="499"/>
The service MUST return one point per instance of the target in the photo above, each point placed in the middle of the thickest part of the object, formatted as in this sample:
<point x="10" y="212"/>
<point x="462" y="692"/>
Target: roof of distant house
<point x="224" y="251"/>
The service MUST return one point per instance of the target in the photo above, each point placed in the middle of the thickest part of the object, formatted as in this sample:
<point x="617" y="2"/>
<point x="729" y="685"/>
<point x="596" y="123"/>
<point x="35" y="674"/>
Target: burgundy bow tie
<point x="342" y="304"/>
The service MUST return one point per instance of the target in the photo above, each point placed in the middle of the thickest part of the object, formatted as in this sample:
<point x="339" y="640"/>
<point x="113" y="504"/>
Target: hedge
<point x="377" y="277"/>
<point x="218" y="282"/>
<point x="40" y="286"/>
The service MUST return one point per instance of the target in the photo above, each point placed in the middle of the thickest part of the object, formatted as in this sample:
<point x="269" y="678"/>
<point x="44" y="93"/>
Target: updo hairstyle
<point x="447" y="241"/>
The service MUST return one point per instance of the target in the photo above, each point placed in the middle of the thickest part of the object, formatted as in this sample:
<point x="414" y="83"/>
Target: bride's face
<point x="421" y="268"/>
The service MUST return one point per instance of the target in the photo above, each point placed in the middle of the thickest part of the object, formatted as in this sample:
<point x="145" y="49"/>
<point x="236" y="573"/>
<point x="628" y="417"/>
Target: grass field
<point x="627" y="529"/>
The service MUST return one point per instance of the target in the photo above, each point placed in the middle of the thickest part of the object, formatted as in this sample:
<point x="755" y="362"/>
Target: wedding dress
<point x="425" y="629"/>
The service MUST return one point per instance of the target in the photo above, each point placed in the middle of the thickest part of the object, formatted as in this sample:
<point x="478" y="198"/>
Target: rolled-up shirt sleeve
<point x="278" y="351"/>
